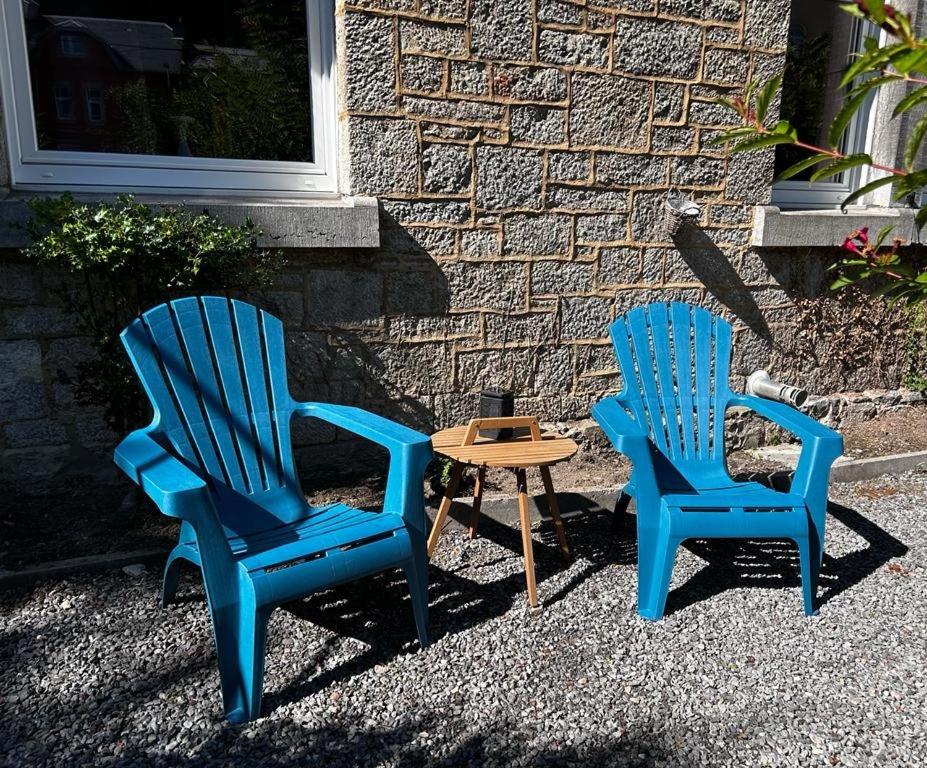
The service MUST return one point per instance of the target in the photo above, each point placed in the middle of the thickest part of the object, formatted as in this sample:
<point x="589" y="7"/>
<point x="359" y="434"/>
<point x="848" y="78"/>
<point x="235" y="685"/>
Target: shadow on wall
<point x="712" y="267"/>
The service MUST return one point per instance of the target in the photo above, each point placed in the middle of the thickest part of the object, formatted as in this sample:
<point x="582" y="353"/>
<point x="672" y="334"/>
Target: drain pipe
<point x="761" y="385"/>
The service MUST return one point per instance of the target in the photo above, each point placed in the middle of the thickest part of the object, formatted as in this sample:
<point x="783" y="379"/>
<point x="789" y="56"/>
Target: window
<point x="218" y="97"/>
<point x="72" y="45"/>
<point x="822" y="39"/>
<point x="93" y="98"/>
<point x="64" y="103"/>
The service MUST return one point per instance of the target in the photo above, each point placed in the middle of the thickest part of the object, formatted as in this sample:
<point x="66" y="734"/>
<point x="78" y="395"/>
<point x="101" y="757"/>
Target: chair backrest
<point x="214" y="370"/>
<point x="675" y="360"/>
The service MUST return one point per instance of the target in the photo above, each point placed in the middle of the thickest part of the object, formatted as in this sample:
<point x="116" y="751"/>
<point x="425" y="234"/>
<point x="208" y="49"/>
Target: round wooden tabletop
<point x="520" y="451"/>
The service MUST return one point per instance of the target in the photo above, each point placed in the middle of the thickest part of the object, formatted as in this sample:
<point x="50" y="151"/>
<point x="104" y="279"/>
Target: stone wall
<point x="521" y="151"/>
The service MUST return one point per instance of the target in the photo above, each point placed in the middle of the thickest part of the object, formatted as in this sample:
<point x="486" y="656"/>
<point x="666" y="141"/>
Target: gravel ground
<point x="93" y="672"/>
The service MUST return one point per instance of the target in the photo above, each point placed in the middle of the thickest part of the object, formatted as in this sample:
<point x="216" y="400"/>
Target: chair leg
<point x="656" y="555"/>
<point x="241" y="642"/>
<point x="416" y="571"/>
<point x="619" y="516"/>
<point x="526" y="542"/>
<point x="810" y="571"/>
<point x="171" y="578"/>
<point x="554" y="508"/>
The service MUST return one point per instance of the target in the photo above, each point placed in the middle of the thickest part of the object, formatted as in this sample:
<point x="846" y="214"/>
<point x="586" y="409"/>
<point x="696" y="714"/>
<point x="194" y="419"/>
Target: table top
<point x="520" y="451"/>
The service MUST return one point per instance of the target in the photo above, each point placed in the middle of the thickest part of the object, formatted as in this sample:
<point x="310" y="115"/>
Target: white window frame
<point x="99" y="100"/>
<point x="62" y="85"/>
<point x="50" y="170"/>
<point x="805" y="195"/>
<point x="79" y="51"/>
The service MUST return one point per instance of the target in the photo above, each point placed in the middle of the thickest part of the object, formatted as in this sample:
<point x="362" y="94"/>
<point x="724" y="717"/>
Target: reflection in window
<point x="64" y="103"/>
<point x="212" y="79"/>
<point x="93" y="97"/>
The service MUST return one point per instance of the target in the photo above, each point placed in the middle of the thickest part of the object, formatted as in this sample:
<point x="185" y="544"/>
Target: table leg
<point x="445" y="507"/>
<point x="554" y="510"/>
<point x="526" y="536"/>
<point x="477" y="501"/>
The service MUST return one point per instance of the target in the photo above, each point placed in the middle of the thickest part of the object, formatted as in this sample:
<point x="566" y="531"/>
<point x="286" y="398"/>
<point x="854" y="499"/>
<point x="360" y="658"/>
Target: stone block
<point x="446" y="168"/>
<point x="493" y="285"/>
<point x="507" y="177"/>
<point x="658" y="48"/>
<point x="34" y="432"/>
<point x="544" y="235"/>
<point x="37" y="322"/>
<point x="619" y="266"/>
<point x="710" y="10"/>
<point x="413" y="369"/>
<point x="527" y="371"/>
<point x="585" y="318"/>
<point x="529" y="83"/>
<point x="369" y="73"/>
<point x="559" y="12"/>
<point x="341" y="297"/>
<point x="766" y="23"/>
<point x="435" y="241"/>
<point x="696" y="172"/>
<point x="422" y="73"/>
<point x="501" y="29"/>
<point x="469" y="77"/>
<point x="445" y="9"/>
<point x="569" y="166"/>
<point x="561" y="277"/>
<point x="725" y="66"/>
<point x="22" y="394"/>
<point x="594" y="119"/>
<point x="480" y="244"/>
<point x="710" y="114"/>
<point x="384" y="156"/>
<point x="535" y="328"/>
<point x="669" y="102"/>
<point x="454" y="109"/>
<point x="538" y="125"/>
<point x="17" y="283"/>
<point x="427" y="211"/>
<point x="648" y="217"/>
<point x="438" y="327"/>
<point x="577" y="49"/>
<point x="601" y="228"/>
<point x="586" y="199"/>
<point x="428" y="37"/>
<point x="618" y="170"/>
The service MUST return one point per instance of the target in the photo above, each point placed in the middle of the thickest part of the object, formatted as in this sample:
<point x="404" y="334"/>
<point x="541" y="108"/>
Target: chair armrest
<point x="174" y="487"/>
<point x="382" y="431"/>
<point x="625" y="432"/>
<point x="820" y="447"/>
<point x="787" y="417"/>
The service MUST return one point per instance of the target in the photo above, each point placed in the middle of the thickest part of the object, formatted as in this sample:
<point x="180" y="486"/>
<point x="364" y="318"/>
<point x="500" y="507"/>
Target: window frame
<point x="63" y="85"/>
<point x="35" y="169"/>
<point x="100" y="99"/>
<point x="805" y="195"/>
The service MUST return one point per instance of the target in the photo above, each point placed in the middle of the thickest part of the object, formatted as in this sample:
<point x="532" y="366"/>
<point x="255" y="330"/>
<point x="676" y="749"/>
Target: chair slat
<point x="643" y="353"/>
<point x="703" y="388"/>
<point x="632" y="390"/>
<point x="276" y="366"/>
<point x="191" y="323"/>
<point x="666" y="381"/>
<point x="160" y="322"/>
<point x="722" y="374"/>
<point x="250" y="348"/>
<point x="682" y="347"/>
<point x="219" y="323"/>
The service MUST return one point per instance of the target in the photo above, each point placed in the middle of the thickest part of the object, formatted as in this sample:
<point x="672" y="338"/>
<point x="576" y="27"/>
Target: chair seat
<point x="332" y="527"/>
<point x="746" y="496"/>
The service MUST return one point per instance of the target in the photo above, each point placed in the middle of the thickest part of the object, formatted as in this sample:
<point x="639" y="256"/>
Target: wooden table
<point x="464" y="446"/>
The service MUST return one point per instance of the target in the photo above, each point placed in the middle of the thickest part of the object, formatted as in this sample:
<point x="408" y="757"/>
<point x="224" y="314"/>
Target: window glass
<point x="209" y="79"/>
<point x="822" y="39"/>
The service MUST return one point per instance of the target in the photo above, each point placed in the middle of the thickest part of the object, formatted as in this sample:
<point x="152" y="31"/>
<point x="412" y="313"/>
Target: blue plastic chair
<point x="218" y="456"/>
<point x="669" y="421"/>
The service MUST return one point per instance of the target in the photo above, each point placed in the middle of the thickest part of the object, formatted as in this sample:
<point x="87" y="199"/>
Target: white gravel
<point x="93" y="672"/>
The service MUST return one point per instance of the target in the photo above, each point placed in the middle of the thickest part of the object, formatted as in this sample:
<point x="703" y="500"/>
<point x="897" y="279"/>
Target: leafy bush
<point x="127" y="257"/>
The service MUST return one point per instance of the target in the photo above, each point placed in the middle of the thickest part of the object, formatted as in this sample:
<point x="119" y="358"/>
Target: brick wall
<point x="521" y="151"/>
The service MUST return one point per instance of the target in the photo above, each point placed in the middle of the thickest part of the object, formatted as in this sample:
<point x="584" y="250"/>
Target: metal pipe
<point x="761" y="385"/>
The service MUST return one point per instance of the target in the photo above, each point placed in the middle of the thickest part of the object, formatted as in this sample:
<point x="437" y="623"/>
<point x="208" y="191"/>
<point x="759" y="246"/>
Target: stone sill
<point x="775" y="228"/>
<point x="337" y="222"/>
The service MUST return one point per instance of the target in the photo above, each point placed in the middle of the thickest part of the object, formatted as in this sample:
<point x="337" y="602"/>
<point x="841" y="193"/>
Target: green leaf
<point x="765" y="96"/>
<point x="785" y="128"/>
<point x="918" y="131"/>
<point x="921" y="218"/>
<point x="911" y="100"/>
<point x="761" y="142"/>
<point x="874" y="59"/>
<point x="727" y="136"/>
<point x="883" y="233"/>
<point x="909" y="60"/>
<point x="866" y="189"/>
<point x="802" y="165"/>
<point x="876" y="10"/>
<point x="842" y="120"/>
<point x="841" y="165"/>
